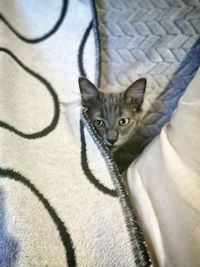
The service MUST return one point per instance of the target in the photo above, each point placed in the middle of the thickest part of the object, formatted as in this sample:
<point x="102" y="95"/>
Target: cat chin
<point x="111" y="147"/>
<point x="114" y="149"/>
<point x="116" y="146"/>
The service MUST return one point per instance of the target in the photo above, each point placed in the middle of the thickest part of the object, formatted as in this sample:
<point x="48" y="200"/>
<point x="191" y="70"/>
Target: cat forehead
<point x="110" y="106"/>
<point x="111" y="97"/>
<point x="111" y="111"/>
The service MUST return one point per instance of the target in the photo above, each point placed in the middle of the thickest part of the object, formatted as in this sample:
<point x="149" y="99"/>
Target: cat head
<point x="114" y="116"/>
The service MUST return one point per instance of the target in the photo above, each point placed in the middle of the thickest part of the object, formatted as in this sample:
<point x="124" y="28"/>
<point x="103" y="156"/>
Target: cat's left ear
<point x="135" y="93"/>
<point x="87" y="89"/>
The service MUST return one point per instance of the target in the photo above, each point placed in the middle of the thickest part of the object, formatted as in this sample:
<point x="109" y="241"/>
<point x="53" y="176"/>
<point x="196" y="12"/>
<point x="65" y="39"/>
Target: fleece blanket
<point x="62" y="201"/>
<point x="156" y="39"/>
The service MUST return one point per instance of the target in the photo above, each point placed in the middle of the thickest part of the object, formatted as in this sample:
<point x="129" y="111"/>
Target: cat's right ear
<point x="87" y="89"/>
<point x="135" y="92"/>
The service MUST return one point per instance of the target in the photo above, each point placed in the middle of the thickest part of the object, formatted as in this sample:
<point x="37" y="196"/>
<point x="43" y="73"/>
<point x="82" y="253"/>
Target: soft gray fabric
<point x="158" y="40"/>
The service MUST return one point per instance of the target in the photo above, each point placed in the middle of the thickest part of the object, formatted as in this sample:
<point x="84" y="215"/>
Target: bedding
<point x="63" y="202"/>
<point x="164" y="183"/>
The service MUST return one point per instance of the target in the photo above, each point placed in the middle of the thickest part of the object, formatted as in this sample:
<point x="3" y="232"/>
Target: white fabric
<point x="165" y="186"/>
<point x="52" y="163"/>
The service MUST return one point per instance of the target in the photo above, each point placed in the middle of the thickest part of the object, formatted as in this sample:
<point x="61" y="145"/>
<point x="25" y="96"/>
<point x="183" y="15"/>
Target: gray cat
<point x="115" y="116"/>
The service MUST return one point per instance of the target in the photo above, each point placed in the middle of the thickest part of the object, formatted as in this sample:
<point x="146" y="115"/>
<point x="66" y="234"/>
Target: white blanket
<point x="59" y="203"/>
<point x="165" y="186"/>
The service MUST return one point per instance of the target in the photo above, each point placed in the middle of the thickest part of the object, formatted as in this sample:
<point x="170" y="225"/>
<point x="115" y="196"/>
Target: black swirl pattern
<point x="84" y="159"/>
<point x="64" y="235"/>
<point x="81" y="50"/>
<point x="86" y="169"/>
<point x="46" y="35"/>
<point x="51" y="91"/>
<point x="97" y="42"/>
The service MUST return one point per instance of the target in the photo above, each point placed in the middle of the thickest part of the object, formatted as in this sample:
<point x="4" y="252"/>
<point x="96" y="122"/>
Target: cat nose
<point x="112" y="141"/>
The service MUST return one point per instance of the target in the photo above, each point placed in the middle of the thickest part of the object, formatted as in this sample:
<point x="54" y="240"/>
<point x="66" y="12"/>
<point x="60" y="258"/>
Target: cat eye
<point x="98" y="122"/>
<point x="124" y="121"/>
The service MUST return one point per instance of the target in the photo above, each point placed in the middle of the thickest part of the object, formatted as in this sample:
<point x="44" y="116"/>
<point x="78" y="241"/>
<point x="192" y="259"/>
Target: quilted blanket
<point x="156" y="39"/>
